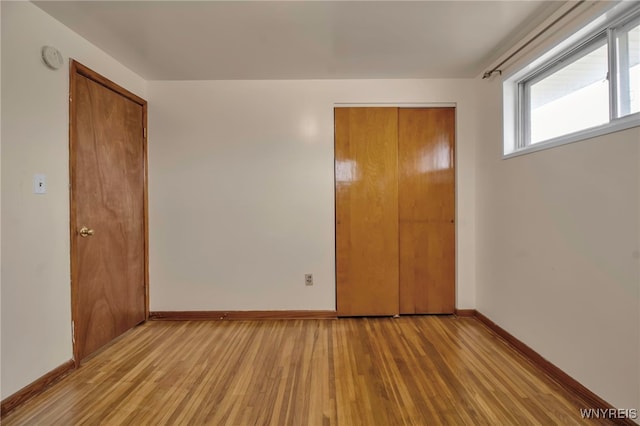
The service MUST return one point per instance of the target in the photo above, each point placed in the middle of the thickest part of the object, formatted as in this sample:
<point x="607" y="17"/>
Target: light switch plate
<point x="39" y="184"/>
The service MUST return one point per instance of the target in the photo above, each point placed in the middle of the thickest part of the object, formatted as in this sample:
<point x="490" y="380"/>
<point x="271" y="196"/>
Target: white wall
<point x="558" y="235"/>
<point x="241" y="206"/>
<point x="36" y="315"/>
<point x="242" y="193"/>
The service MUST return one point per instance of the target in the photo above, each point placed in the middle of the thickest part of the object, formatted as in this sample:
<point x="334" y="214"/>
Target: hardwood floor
<point x="406" y="371"/>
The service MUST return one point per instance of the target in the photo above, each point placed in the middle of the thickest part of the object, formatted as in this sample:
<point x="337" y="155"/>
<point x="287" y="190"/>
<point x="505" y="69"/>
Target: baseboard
<point x="240" y="315"/>
<point x="591" y="399"/>
<point x="465" y="312"/>
<point x="26" y="393"/>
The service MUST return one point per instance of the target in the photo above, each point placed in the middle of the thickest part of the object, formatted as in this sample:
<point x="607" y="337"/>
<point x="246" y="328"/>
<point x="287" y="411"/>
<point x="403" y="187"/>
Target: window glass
<point x="628" y="57"/>
<point x="571" y="98"/>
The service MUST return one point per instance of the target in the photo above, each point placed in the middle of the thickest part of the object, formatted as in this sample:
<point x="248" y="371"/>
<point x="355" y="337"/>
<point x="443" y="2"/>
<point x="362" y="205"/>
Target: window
<point x="578" y="84"/>
<point x="589" y="88"/>
<point x="627" y="39"/>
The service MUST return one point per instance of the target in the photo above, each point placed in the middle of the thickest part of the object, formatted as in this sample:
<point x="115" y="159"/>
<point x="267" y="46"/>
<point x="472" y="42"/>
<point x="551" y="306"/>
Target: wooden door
<point x="426" y="162"/>
<point x="108" y="198"/>
<point x="366" y="159"/>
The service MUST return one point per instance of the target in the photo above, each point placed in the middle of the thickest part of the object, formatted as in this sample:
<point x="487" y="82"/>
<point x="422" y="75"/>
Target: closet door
<point x="366" y="174"/>
<point x="426" y="138"/>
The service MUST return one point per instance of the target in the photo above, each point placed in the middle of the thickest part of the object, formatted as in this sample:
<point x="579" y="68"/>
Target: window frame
<point x="562" y="57"/>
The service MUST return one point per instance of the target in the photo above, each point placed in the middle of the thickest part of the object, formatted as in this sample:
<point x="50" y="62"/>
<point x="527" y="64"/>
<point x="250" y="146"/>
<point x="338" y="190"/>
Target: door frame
<point x="399" y="105"/>
<point x="77" y="69"/>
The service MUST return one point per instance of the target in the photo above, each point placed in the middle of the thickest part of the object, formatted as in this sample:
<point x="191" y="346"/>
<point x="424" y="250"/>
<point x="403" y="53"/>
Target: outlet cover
<point x="39" y="184"/>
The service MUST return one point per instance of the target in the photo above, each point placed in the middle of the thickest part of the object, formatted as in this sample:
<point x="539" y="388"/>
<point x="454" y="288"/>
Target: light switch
<point x="39" y="184"/>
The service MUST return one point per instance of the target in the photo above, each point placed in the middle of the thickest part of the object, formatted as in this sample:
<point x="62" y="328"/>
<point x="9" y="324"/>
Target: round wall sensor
<point x="52" y="57"/>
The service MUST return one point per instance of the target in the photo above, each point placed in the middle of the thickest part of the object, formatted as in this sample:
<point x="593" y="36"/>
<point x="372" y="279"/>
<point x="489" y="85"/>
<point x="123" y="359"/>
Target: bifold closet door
<point x="426" y="182"/>
<point x="366" y="173"/>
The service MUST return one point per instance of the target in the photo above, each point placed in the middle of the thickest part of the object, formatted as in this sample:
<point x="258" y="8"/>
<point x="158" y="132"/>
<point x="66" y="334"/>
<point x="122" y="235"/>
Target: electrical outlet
<point x="308" y="279"/>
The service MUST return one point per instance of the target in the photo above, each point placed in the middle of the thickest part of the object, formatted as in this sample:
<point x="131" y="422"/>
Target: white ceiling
<point x="211" y="40"/>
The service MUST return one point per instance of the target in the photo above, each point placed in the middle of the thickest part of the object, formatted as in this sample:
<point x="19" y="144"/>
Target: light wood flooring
<point x="426" y="370"/>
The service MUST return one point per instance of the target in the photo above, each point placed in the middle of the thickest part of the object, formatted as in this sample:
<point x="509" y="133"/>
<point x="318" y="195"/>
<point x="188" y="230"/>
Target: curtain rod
<point x="534" y="38"/>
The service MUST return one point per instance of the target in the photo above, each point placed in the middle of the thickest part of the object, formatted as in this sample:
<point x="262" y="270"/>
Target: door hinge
<point x="144" y="132"/>
<point x="73" y="332"/>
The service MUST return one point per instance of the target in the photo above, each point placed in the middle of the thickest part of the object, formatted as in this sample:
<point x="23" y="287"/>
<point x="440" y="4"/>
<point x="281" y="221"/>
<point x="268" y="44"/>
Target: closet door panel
<point x="426" y="197"/>
<point x="366" y="183"/>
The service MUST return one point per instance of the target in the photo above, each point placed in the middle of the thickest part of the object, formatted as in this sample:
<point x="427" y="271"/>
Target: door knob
<point x="86" y="232"/>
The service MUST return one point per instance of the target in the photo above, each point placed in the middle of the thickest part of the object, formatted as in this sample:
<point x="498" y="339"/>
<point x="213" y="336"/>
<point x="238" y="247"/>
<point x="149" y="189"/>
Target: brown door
<point x="426" y="140"/>
<point x="366" y="161"/>
<point x="108" y="200"/>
